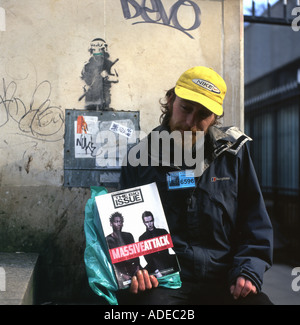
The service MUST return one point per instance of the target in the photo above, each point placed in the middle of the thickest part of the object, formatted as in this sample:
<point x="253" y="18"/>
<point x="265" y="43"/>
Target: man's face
<point x="149" y="223"/>
<point x="190" y="116"/>
<point x="117" y="224"/>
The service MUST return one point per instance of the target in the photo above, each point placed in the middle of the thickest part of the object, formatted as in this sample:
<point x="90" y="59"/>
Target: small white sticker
<point x="120" y="129"/>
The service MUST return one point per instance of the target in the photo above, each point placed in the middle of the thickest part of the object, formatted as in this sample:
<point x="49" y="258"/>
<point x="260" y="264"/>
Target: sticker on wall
<point x="105" y="141"/>
<point x="121" y="129"/>
<point x="85" y="136"/>
<point x="112" y="142"/>
<point x="98" y="74"/>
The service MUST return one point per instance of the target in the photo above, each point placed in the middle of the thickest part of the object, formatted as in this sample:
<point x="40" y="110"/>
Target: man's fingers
<point x="142" y="281"/>
<point x="150" y="281"/>
<point x="246" y="289"/>
<point x="134" y="285"/>
<point x="238" y="287"/>
<point x="154" y="281"/>
<point x="242" y="288"/>
<point x="147" y="281"/>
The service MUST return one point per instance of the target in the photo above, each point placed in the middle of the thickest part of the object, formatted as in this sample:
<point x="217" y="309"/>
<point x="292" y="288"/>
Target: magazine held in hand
<point x="137" y="233"/>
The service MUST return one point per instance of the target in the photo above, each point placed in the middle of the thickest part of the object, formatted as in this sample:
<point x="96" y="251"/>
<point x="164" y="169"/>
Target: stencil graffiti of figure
<point x="98" y="75"/>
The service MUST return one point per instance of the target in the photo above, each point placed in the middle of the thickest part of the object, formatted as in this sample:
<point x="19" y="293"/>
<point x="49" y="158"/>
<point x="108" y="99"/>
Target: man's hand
<point x="242" y="288"/>
<point x="142" y="281"/>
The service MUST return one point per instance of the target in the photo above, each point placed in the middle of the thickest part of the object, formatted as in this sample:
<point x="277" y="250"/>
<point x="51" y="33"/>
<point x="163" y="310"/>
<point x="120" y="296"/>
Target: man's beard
<point x="189" y="136"/>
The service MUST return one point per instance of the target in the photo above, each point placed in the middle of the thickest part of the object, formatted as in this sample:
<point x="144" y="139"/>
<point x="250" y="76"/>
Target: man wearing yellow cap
<point x="220" y="228"/>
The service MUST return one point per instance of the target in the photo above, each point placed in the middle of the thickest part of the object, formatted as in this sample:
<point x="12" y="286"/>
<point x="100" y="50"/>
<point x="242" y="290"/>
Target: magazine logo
<point x="149" y="246"/>
<point x="127" y="198"/>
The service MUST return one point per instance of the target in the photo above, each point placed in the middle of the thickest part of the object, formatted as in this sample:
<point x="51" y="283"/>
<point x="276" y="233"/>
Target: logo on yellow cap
<point x="207" y="85"/>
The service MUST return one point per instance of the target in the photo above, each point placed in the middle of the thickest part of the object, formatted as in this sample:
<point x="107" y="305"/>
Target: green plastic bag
<point x="100" y="273"/>
<point x="99" y="269"/>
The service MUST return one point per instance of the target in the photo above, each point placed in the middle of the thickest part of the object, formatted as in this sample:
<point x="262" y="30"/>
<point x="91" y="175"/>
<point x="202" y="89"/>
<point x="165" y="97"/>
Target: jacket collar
<point x="229" y="139"/>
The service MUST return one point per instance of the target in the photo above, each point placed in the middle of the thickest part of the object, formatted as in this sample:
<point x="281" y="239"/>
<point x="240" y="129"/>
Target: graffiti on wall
<point x="39" y="120"/>
<point x="99" y="73"/>
<point x="86" y="131"/>
<point x="134" y="9"/>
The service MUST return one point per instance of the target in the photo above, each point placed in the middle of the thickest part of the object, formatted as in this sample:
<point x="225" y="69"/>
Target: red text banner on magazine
<point x="140" y="248"/>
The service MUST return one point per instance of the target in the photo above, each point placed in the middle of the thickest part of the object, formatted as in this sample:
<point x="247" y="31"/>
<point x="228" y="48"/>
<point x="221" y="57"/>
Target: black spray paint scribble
<point x="162" y="18"/>
<point x="99" y="73"/>
<point x="39" y="120"/>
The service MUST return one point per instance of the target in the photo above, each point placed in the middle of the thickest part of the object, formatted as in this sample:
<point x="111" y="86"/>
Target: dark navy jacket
<point x="220" y="229"/>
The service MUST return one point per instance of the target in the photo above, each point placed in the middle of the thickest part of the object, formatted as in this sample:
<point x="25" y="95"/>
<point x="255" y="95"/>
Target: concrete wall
<point x="43" y="51"/>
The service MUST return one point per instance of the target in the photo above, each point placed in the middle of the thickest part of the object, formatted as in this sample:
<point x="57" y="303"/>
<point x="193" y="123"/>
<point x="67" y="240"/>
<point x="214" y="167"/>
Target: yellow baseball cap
<point x="202" y="85"/>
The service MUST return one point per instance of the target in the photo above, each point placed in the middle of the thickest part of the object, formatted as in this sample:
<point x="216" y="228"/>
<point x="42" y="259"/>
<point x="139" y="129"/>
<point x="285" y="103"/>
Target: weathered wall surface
<point x="44" y="51"/>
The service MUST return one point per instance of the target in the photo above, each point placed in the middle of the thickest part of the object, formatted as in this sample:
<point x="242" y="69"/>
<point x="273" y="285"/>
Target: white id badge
<point x="183" y="179"/>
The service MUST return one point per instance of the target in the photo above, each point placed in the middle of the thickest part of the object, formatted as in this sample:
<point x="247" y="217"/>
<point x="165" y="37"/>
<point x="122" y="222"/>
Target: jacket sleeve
<point x="254" y="243"/>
